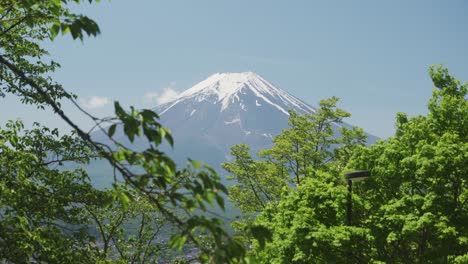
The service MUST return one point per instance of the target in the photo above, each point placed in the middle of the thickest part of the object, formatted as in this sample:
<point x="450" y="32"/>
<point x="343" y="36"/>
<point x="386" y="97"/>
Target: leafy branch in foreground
<point x="53" y="214"/>
<point x="174" y="193"/>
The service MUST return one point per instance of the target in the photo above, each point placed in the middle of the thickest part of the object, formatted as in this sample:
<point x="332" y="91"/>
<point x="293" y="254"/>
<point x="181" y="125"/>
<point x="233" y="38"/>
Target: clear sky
<point x="374" y="55"/>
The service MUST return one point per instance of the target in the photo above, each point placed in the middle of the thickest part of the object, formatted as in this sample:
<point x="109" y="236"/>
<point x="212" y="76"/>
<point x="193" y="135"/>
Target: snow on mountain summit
<point x="227" y="109"/>
<point x="222" y="84"/>
<point x="228" y="88"/>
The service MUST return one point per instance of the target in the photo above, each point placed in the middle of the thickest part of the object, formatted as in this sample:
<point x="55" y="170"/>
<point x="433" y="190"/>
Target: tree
<point x="310" y="145"/>
<point x="418" y="191"/>
<point x="306" y="146"/>
<point x="25" y="71"/>
<point x="41" y="215"/>
<point x="308" y="225"/>
<point x="413" y="208"/>
<point x="301" y="161"/>
<point x="53" y="215"/>
<point x="127" y="234"/>
<point x="257" y="182"/>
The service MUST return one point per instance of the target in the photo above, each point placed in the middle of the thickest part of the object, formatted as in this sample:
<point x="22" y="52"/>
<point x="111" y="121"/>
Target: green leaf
<point x="119" y="110"/>
<point x="177" y="241"/>
<point x="261" y="234"/>
<point x="111" y="131"/>
<point x="54" y="30"/>
<point x="195" y="164"/>
<point x="220" y="201"/>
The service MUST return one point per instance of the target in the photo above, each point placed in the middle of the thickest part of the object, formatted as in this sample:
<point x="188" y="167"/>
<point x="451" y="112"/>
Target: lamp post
<point x="358" y="175"/>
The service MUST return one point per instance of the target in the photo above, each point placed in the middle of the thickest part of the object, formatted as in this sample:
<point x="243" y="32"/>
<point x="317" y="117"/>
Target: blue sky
<point x="374" y="55"/>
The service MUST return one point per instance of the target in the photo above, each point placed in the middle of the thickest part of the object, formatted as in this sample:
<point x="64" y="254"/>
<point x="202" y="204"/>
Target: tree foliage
<point x="413" y="209"/>
<point x="41" y="207"/>
<point x="175" y="194"/>
<point x="310" y="145"/>
<point x="307" y="145"/>
<point x="308" y="226"/>
<point x="54" y="215"/>
<point x="130" y="234"/>
<point x="417" y="196"/>
<point x="300" y="162"/>
<point x="258" y="182"/>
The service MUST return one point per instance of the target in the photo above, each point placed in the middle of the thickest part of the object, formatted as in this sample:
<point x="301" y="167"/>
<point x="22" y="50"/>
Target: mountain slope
<point x="227" y="109"/>
<point x="221" y="111"/>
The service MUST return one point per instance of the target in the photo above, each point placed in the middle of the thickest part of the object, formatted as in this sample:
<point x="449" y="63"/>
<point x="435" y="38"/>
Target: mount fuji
<point x="223" y="110"/>
<point x="227" y="109"/>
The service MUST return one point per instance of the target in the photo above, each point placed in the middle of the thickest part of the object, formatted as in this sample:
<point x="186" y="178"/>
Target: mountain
<point x="223" y="110"/>
<point x="206" y="120"/>
<point x="227" y="109"/>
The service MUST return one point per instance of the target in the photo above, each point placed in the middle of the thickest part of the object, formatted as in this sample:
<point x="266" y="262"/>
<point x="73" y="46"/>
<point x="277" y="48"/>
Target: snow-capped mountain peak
<point x="227" y="109"/>
<point x="228" y="88"/>
<point x="222" y="84"/>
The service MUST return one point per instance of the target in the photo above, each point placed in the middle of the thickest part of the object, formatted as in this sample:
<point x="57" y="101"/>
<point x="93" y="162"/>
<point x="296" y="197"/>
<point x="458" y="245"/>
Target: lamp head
<point x="358" y="175"/>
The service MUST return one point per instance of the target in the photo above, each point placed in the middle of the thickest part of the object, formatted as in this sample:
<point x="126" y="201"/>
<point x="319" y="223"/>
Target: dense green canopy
<point x="413" y="209"/>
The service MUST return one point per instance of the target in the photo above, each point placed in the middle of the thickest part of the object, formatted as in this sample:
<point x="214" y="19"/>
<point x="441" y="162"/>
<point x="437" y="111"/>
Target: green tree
<point x="258" y="182"/>
<point x="418" y="192"/>
<point x="299" y="158"/>
<point x="25" y="71"/>
<point x="308" y="225"/>
<point x="413" y="209"/>
<point x="41" y="207"/>
<point x="53" y="215"/>
<point x="308" y="146"/>
<point x="127" y="234"/>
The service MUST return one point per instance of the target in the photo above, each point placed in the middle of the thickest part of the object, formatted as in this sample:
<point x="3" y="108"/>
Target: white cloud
<point x="165" y="96"/>
<point x="95" y="102"/>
